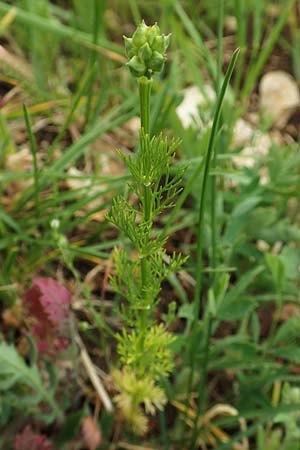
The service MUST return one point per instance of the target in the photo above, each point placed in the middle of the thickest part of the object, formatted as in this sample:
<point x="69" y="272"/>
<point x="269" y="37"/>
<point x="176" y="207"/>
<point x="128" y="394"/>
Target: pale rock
<point x="254" y="143"/>
<point x="20" y="161"/>
<point x="242" y="133"/>
<point x="230" y="23"/>
<point x="263" y="246"/>
<point x="133" y="125"/>
<point x="188" y="110"/>
<point x="77" y="179"/>
<point x="278" y="96"/>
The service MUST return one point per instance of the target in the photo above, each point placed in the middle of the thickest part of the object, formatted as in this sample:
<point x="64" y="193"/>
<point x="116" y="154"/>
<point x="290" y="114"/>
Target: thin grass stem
<point x="33" y="149"/>
<point x="93" y="61"/>
<point x="199" y="268"/>
<point x="205" y="182"/>
<point x="215" y="153"/>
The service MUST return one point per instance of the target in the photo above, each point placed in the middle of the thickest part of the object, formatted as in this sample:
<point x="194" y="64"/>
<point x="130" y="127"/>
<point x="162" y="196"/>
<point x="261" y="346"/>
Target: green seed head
<point x="146" y="50"/>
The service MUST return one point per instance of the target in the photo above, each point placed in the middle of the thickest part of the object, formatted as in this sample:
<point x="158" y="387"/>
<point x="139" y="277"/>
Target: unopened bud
<point x="146" y="50"/>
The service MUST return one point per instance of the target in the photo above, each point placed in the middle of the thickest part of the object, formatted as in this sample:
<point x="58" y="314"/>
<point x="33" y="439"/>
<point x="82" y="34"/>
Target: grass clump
<point x="155" y="350"/>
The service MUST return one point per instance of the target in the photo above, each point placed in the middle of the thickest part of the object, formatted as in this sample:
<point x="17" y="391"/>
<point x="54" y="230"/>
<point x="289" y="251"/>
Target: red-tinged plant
<point x="91" y="433"/>
<point x="29" y="440"/>
<point x="48" y="306"/>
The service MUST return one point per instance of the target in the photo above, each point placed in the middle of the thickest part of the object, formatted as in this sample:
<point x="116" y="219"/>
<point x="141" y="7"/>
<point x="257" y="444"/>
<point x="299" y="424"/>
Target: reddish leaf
<point x="91" y="433"/>
<point x="28" y="440"/>
<point x="48" y="304"/>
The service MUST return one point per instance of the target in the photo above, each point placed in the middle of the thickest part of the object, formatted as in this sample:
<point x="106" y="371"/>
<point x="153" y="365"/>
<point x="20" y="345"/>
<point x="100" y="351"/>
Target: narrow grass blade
<point x="33" y="149"/>
<point x="266" y="50"/>
<point x="214" y="161"/>
<point x="93" y="60"/>
<point x="82" y="89"/>
<point x="26" y="18"/>
<point x="205" y="182"/>
<point x="199" y="269"/>
<point x="115" y="117"/>
<point x="195" y="35"/>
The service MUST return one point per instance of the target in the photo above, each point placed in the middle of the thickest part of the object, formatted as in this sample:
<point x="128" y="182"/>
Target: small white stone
<point x="255" y="144"/>
<point x="242" y="133"/>
<point x="262" y="245"/>
<point x="278" y="96"/>
<point x="188" y="110"/>
<point x="133" y="125"/>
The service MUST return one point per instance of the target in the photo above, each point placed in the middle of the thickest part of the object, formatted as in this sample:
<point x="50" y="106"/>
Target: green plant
<point x="237" y="341"/>
<point x="21" y="387"/>
<point x="144" y="346"/>
<point x="283" y="431"/>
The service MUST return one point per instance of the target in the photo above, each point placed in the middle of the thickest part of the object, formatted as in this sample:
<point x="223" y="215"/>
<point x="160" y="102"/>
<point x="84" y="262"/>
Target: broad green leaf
<point x="12" y="366"/>
<point x="246" y="205"/>
<point x="289" y="353"/>
<point x="289" y="331"/>
<point x="277" y="269"/>
<point x="186" y="311"/>
<point x="234" y="304"/>
<point x="290" y="258"/>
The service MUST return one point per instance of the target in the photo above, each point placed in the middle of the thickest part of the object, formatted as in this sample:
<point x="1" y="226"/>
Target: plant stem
<point x="93" y="61"/>
<point x="214" y="161"/>
<point x="33" y="149"/>
<point x="205" y="182"/>
<point x="241" y="14"/>
<point x="197" y="294"/>
<point x="203" y="379"/>
<point x="262" y="57"/>
<point x="144" y="95"/>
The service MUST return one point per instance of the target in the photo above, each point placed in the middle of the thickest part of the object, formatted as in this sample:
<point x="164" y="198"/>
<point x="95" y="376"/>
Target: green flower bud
<point x="152" y="33"/>
<point x="146" y="50"/>
<point x="128" y="47"/>
<point x="139" y="36"/>
<point x="136" y="66"/>
<point x="158" y="44"/>
<point x="167" y="41"/>
<point x="157" y="62"/>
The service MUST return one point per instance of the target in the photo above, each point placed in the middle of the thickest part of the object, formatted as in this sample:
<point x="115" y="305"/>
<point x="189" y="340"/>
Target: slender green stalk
<point x="240" y="8"/>
<point x="92" y="62"/>
<point x="220" y="45"/>
<point x="199" y="268"/>
<point x="145" y="85"/>
<point x="205" y="182"/>
<point x="7" y="145"/>
<point x="197" y="38"/>
<point x="33" y="148"/>
<point x="264" y="54"/>
<point x="214" y="162"/>
<point x="257" y="27"/>
<point x="85" y="39"/>
<point x="202" y="393"/>
<point x="135" y="11"/>
<point x="35" y="38"/>
<point x="144" y="95"/>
